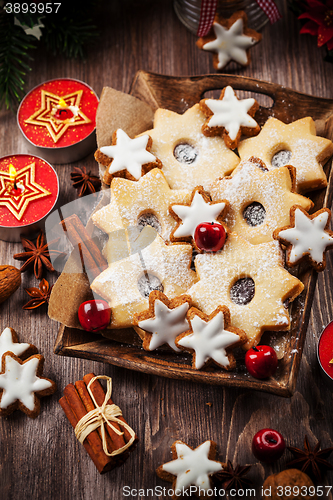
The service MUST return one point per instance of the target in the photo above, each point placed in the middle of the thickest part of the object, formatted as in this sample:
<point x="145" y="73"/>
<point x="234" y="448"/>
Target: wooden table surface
<point x="41" y="458"/>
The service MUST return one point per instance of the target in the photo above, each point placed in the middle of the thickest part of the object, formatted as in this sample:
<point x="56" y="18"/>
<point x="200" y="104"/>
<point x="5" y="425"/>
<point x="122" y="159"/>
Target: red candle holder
<point x="29" y="190"/>
<point x="325" y="354"/>
<point x="58" y="120"/>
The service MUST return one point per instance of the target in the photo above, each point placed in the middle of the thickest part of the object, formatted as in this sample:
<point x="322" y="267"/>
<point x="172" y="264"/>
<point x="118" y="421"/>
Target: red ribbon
<point x="208" y="11"/>
<point x="207" y="14"/>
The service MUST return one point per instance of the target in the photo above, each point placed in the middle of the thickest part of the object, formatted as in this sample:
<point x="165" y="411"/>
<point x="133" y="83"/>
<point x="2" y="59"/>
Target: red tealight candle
<point x="58" y="119"/>
<point x="325" y="354"/>
<point x="29" y="190"/>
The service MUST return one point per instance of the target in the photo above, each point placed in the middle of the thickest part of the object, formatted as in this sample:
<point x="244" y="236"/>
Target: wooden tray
<point x="177" y="94"/>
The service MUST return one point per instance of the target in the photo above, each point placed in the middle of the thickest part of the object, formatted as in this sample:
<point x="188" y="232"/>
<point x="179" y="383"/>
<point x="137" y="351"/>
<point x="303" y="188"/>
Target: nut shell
<point x="289" y="477"/>
<point x="10" y="280"/>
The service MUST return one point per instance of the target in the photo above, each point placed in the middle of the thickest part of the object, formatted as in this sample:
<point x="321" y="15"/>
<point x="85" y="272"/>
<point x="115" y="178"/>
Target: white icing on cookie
<point x="308" y="236"/>
<point x="230" y="44"/>
<point x="7" y="344"/>
<point x="231" y="113"/>
<point x="209" y="340"/>
<point x="192" y="467"/>
<point x="20" y="382"/>
<point x="129" y="154"/>
<point x="199" y="211"/>
<point x="167" y="325"/>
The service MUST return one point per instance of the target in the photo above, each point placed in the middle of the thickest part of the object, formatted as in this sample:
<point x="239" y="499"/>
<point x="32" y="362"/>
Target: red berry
<point x="261" y="361"/>
<point x="209" y="236"/>
<point x="94" y="315"/>
<point x="268" y="445"/>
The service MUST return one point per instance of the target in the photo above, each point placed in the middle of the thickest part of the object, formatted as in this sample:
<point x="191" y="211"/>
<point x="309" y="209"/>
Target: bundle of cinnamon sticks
<point x="76" y="403"/>
<point x="92" y="260"/>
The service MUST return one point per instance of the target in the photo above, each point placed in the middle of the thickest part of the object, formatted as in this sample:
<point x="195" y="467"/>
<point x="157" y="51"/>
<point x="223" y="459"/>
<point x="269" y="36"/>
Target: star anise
<point x="84" y="182"/>
<point x="312" y="462"/>
<point x="39" y="295"/>
<point x="233" y="478"/>
<point x="37" y="255"/>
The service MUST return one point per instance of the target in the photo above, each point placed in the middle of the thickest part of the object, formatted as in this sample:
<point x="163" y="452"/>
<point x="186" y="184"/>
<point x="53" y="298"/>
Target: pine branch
<point x="69" y="37"/>
<point x="14" y="60"/>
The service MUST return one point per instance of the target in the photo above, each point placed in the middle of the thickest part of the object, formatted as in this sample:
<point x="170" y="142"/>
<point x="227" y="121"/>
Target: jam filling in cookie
<point x="185" y="153"/>
<point x="147" y="283"/>
<point x="254" y="214"/>
<point x="242" y="292"/>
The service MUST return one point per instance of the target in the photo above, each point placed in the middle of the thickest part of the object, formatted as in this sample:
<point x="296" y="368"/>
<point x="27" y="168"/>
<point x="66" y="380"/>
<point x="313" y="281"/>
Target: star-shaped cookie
<point x="44" y="117"/>
<point x="190" y="467"/>
<point x="21" y="384"/>
<point x="190" y="215"/>
<point x="307" y="237"/>
<point x="295" y="144"/>
<point x="126" y="284"/>
<point x="188" y="157"/>
<point x="9" y="342"/>
<point x="163" y="321"/>
<point x="221" y="274"/>
<point x="211" y="338"/>
<point x="139" y="203"/>
<point x="32" y="191"/>
<point x="230" y="117"/>
<point x="126" y="157"/>
<point x="259" y="200"/>
<point x="230" y="40"/>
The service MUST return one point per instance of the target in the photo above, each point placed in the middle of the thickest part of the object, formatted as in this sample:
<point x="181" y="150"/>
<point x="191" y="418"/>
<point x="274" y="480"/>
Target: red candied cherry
<point x="210" y="236"/>
<point x="268" y="445"/>
<point x="94" y="315"/>
<point x="261" y="361"/>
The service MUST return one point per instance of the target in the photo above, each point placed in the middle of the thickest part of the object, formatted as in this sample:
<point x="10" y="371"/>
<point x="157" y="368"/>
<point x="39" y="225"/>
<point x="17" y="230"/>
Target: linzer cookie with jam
<point x="295" y="144"/>
<point x="127" y="283"/>
<point x="259" y="199"/>
<point x="251" y="281"/>
<point x="141" y="203"/>
<point x="189" y="158"/>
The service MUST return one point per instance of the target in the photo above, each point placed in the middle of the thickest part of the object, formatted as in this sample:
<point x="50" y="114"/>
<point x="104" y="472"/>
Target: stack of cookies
<point x="213" y="214"/>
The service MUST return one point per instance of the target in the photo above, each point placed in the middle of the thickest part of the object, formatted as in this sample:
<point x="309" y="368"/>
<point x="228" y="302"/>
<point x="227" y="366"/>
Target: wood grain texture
<point x="41" y="459"/>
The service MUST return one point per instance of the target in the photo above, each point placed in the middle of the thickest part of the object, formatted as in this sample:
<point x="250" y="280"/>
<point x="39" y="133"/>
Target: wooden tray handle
<point x="183" y="92"/>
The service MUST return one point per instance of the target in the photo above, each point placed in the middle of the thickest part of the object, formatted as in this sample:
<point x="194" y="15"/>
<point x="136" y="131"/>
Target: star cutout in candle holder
<point x="25" y="177"/>
<point x="45" y="115"/>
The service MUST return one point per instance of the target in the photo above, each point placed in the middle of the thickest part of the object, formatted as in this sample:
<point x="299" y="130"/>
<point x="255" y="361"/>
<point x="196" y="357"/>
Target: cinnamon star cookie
<point x="230" y="40"/>
<point x="188" y="157"/>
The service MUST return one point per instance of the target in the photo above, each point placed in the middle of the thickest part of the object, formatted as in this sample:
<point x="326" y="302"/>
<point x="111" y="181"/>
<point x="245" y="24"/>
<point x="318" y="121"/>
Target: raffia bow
<point x="102" y="415"/>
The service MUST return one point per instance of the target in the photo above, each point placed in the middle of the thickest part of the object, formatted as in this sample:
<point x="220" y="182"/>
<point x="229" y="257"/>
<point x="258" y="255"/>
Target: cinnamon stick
<point x="99" y="395"/>
<point x="89" y="406"/>
<point x="91" y="256"/>
<point x="72" y="398"/>
<point x="72" y="419"/>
